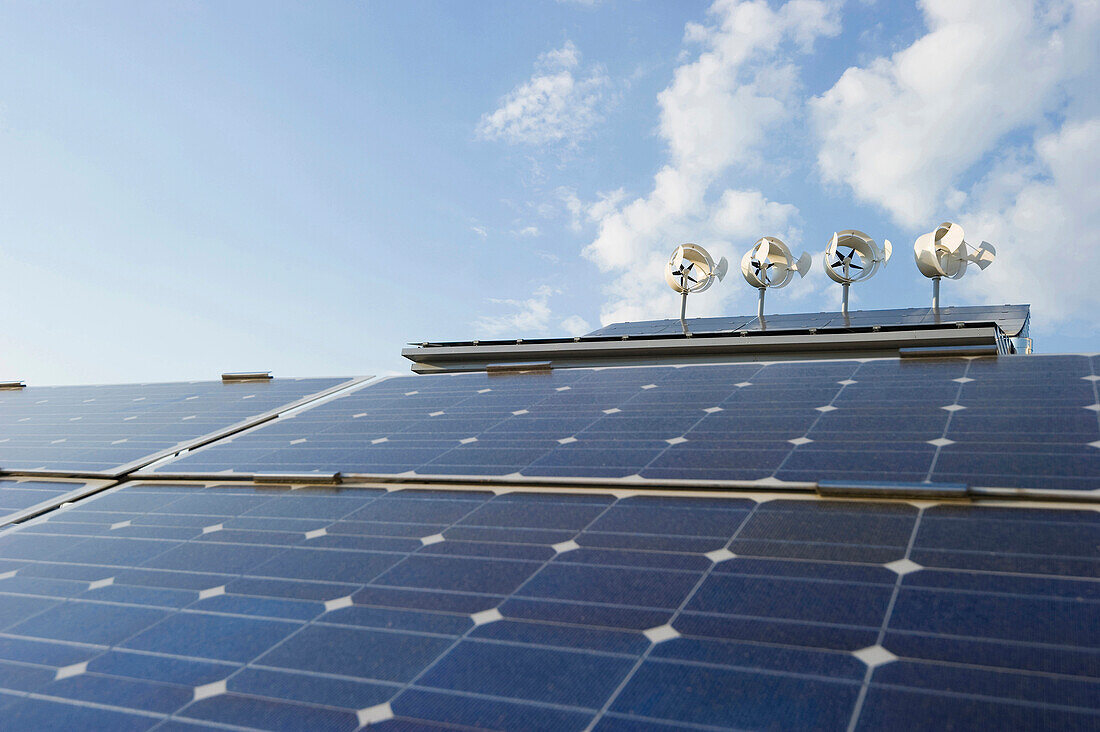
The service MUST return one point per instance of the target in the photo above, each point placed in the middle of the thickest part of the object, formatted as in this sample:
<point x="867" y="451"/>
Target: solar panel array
<point x="185" y="605"/>
<point x="102" y="429"/>
<point x="1015" y="422"/>
<point x="1011" y="318"/>
<point x="167" y="606"/>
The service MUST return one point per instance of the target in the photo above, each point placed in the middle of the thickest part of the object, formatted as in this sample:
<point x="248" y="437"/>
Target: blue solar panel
<point x="1013" y="320"/>
<point x="102" y="429"/>
<point x="178" y="605"/>
<point x="1009" y="422"/>
<point x="23" y="498"/>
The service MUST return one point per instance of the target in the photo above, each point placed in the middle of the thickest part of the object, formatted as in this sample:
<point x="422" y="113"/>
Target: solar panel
<point x="992" y="423"/>
<point x="1011" y="318"/>
<point x="108" y="429"/>
<point x="321" y="608"/>
<point x="21" y="498"/>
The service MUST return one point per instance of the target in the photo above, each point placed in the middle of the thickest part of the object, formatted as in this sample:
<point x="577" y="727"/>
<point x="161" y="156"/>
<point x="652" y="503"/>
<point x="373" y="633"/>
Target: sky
<point x="189" y="188"/>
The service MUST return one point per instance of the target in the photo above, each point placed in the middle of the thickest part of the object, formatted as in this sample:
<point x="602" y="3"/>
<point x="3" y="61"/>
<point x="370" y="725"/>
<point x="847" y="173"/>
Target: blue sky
<point x="188" y="188"/>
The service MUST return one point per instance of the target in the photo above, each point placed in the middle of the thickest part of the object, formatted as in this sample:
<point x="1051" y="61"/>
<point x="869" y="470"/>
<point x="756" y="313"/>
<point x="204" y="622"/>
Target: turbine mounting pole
<point x="844" y="302"/>
<point x="683" y="313"/>
<point x="770" y="263"/>
<point x="936" y="294"/>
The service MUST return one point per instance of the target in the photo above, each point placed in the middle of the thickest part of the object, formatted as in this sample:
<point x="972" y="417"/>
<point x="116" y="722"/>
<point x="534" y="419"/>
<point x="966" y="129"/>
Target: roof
<point x="764" y="539"/>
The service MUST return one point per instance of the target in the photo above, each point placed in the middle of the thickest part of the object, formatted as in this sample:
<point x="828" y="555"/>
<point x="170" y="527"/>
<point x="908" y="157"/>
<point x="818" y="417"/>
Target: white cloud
<point x="573" y="205"/>
<point x="480" y="231"/>
<point x="558" y="104"/>
<point x="575" y="325"/>
<point x="607" y="204"/>
<point x="907" y="131"/>
<point x="745" y="214"/>
<point x="531" y="316"/>
<point x="1042" y="213"/>
<point x="902" y="130"/>
<point x="715" y="114"/>
<point x="527" y="231"/>
<point x="565" y="57"/>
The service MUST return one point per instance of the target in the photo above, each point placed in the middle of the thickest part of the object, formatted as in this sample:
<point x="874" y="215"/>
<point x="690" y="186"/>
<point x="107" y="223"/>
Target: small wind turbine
<point x="770" y="264"/>
<point x="692" y="269"/>
<point x="852" y="256"/>
<point x="944" y="253"/>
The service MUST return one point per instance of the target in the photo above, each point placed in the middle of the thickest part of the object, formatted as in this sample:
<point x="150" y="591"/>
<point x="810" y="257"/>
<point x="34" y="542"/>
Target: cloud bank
<point x="989" y="117"/>
<point x="906" y="132"/>
<point x="716" y="114"/>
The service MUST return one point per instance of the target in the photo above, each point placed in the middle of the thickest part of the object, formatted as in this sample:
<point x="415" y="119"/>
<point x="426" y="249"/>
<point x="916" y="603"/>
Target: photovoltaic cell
<point x="1008" y="422"/>
<point x="231" y="605"/>
<point x="104" y="428"/>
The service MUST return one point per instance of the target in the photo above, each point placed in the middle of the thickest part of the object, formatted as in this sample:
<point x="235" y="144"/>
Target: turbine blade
<point x="764" y="249"/>
<point x="952" y="237"/>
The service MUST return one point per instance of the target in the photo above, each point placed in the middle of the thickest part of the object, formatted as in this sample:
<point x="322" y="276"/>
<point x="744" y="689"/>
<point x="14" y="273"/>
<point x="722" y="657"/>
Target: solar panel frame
<point x="223" y="430"/>
<point x="901" y="413"/>
<point x="76" y="489"/>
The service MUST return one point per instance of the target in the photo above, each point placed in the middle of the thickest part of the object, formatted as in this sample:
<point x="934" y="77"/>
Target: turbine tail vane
<point x="984" y="255"/>
<point x="802" y="266"/>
